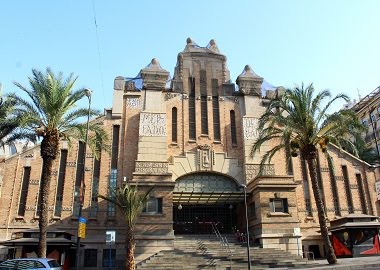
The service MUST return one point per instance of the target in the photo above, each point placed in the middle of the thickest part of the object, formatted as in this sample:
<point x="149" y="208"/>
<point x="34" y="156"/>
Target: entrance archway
<point x="202" y="200"/>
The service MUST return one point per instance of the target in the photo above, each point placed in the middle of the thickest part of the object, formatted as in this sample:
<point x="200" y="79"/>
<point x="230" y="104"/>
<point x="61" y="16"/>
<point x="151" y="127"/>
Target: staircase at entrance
<point x="206" y="252"/>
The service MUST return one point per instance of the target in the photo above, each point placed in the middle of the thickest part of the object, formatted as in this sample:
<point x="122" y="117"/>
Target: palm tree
<point x="7" y="122"/>
<point x="51" y="115"/>
<point x="130" y="201"/>
<point x="298" y="120"/>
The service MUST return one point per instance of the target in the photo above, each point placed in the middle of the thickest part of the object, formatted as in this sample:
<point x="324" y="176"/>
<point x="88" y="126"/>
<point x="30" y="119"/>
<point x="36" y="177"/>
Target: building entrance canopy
<point x="207" y="188"/>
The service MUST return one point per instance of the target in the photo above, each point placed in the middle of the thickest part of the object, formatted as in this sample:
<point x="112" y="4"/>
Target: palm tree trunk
<point x="43" y="213"/>
<point x="330" y="255"/>
<point x="130" y="250"/>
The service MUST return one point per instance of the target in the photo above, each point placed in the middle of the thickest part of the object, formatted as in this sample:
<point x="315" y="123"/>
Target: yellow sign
<point x="82" y="227"/>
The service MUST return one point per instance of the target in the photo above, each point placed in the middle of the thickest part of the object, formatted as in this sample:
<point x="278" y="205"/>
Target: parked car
<point x="30" y="264"/>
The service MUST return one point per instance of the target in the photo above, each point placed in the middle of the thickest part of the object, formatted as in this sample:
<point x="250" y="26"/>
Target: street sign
<point x="110" y="237"/>
<point x="82" y="227"/>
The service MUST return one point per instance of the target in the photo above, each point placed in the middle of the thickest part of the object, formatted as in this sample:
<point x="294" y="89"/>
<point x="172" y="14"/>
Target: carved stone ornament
<point x="252" y="170"/>
<point x="205" y="157"/>
<point x="250" y="128"/>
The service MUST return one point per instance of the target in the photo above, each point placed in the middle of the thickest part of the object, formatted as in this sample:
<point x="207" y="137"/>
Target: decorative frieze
<point x="250" y="128"/>
<point x="339" y="178"/>
<point x="71" y="164"/>
<point x="353" y="186"/>
<point x="325" y="169"/>
<point x="34" y="182"/>
<point x="149" y="167"/>
<point x="252" y="170"/>
<point x="152" y="124"/>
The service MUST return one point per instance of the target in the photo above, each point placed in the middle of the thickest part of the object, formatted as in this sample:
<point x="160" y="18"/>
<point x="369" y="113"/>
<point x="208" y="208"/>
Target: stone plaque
<point x="152" y="124"/>
<point x="134" y="102"/>
<point x="151" y="167"/>
<point x="250" y="126"/>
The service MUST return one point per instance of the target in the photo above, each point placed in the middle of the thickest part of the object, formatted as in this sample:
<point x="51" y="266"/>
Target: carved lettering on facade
<point x="134" y="102"/>
<point x="252" y="170"/>
<point x="250" y="127"/>
<point x="153" y="124"/>
<point x="151" y="167"/>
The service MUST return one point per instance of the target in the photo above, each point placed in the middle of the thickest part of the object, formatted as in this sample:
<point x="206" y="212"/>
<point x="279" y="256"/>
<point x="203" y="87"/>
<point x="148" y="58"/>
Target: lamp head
<point x="243" y="186"/>
<point x="87" y="92"/>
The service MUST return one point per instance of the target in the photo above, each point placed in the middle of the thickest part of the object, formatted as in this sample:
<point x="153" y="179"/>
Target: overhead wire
<point x="99" y="58"/>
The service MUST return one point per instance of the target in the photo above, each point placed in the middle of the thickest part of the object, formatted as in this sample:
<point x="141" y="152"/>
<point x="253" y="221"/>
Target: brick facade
<point x="148" y="156"/>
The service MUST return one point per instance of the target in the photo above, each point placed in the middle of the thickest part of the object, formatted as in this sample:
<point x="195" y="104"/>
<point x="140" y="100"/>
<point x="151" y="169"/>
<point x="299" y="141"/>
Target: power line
<point x="99" y="58"/>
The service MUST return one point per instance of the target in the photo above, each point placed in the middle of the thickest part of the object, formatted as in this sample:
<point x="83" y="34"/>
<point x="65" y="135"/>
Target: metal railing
<point x="223" y="242"/>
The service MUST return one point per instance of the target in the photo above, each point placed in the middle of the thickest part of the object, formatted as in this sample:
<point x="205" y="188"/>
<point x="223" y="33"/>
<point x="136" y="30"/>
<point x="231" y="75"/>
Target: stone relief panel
<point x="252" y="170"/>
<point x="205" y="158"/>
<point x="250" y="128"/>
<point x="134" y="102"/>
<point x="149" y="167"/>
<point x="152" y="124"/>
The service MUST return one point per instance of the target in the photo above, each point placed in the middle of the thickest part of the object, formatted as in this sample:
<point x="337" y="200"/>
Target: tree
<point x="7" y="122"/>
<point x="51" y="115"/>
<point x="130" y="201"/>
<point x="299" y="120"/>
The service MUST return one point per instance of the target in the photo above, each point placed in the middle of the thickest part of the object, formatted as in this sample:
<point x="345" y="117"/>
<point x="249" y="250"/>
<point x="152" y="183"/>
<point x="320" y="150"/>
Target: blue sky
<point x="334" y="44"/>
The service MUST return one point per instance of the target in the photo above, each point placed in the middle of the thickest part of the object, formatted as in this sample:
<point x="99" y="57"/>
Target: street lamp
<point x="247" y="225"/>
<point x="82" y="188"/>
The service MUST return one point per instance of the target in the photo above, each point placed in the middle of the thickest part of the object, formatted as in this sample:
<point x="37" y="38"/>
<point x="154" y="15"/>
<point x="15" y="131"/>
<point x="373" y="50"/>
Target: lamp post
<point x="247" y="225"/>
<point x="82" y="188"/>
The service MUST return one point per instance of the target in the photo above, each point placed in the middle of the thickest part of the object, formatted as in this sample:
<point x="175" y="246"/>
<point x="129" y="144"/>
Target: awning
<point x="217" y="197"/>
<point x="34" y="242"/>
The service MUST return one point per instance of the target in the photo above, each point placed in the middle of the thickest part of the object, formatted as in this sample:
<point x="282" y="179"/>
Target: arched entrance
<point x="203" y="199"/>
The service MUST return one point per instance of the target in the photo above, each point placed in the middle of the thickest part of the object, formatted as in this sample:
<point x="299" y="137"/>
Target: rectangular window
<point x="233" y="128"/>
<point x="111" y="208"/>
<point x="153" y="206"/>
<point x="204" y="116"/>
<point x="60" y="184"/>
<point x="109" y="257"/>
<point x="24" y="191"/>
<point x="174" y="124"/>
<point x="78" y="177"/>
<point x="350" y="205"/>
<point x="216" y="118"/>
<point x="372" y="118"/>
<point x="361" y="193"/>
<point x="334" y="187"/>
<point x="278" y="205"/>
<point x="90" y="257"/>
<point x="95" y="188"/>
<point x="192" y="117"/>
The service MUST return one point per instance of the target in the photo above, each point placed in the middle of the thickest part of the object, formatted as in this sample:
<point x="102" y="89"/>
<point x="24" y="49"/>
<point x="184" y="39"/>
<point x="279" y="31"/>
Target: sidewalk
<point x="350" y="263"/>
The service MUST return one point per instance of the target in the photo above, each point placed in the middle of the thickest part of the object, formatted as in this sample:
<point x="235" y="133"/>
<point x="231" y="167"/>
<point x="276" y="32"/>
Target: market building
<point x="190" y="138"/>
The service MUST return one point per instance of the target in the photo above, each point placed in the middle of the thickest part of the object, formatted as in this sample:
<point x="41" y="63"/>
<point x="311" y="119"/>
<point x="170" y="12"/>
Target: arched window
<point x="233" y="127"/>
<point x="174" y="124"/>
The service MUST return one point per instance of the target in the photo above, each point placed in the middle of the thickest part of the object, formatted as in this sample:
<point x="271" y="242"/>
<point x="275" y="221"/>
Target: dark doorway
<point x="198" y="219"/>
